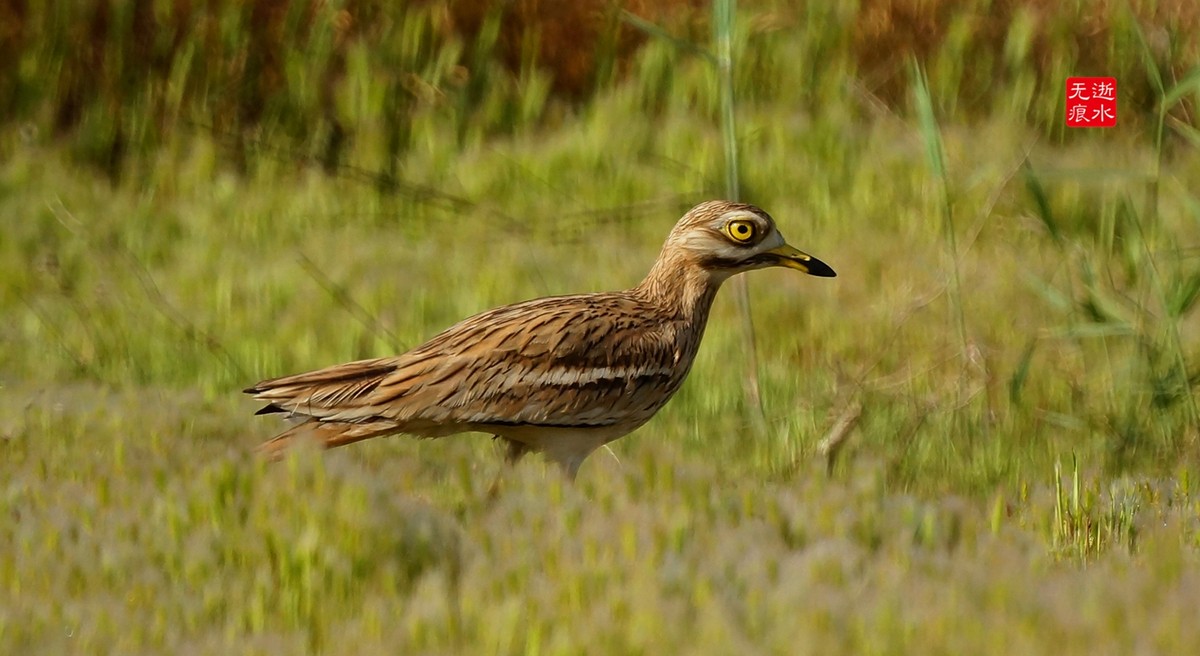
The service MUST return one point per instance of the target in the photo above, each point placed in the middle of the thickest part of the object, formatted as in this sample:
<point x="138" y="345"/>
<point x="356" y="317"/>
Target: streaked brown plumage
<point x="562" y="375"/>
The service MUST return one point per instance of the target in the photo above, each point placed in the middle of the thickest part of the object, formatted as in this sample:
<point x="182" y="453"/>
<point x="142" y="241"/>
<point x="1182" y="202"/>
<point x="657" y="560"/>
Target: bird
<point x="560" y="375"/>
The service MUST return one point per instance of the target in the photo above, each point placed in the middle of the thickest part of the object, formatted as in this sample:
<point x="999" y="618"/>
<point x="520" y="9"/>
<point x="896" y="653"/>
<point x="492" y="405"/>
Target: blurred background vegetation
<point x="348" y="82"/>
<point x="982" y="437"/>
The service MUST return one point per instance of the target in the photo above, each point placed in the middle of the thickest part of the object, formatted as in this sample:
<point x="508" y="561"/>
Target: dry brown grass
<point x="105" y="66"/>
<point x="111" y="54"/>
<point x="568" y="39"/>
<point x="887" y="33"/>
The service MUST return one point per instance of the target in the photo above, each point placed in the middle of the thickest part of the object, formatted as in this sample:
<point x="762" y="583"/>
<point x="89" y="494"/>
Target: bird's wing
<point x="585" y="360"/>
<point x="315" y="392"/>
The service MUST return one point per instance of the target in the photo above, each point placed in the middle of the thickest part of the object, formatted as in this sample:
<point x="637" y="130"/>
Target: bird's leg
<point x="569" y="462"/>
<point x="571" y="468"/>
<point x="513" y="452"/>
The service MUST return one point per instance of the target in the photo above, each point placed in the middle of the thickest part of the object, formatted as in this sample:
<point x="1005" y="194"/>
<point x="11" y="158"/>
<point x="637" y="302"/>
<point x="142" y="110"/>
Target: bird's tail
<point x="324" y="434"/>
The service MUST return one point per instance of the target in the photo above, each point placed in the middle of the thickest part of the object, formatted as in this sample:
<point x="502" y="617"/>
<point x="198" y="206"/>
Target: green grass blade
<point x="1189" y="84"/>
<point x="723" y="32"/>
<point x="936" y="155"/>
<point x="1042" y="202"/>
<point x="1017" y="382"/>
<point x="658" y="32"/>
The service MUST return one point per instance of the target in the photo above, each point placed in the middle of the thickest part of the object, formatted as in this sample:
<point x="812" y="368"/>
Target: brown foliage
<point x="12" y="22"/>
<point x="887" y="33"/>
<point x="106" y="54"/>
<point x="570" y="37"/>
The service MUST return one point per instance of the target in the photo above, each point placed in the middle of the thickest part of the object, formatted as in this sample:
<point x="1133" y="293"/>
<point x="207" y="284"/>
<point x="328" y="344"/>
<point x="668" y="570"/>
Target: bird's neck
<point x="680" y="287"/>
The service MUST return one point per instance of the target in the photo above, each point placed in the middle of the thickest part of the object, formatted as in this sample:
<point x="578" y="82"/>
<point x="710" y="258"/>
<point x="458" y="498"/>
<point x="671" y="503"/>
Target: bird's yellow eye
<point x="740" y="231"/>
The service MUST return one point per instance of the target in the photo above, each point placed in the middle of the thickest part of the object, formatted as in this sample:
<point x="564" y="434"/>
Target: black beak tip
<point x="820" y="269"/>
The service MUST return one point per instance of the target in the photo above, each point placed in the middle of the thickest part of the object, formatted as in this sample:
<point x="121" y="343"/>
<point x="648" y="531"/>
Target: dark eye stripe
<point x="715" y="262"/>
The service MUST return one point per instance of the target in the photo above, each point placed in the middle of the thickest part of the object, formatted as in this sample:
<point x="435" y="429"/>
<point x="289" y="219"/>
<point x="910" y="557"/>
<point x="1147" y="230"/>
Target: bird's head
<point x="725" y="238"/>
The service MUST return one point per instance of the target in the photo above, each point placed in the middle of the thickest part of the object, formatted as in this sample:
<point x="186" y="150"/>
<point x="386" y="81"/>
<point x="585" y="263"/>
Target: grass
<point x="1013" y="334"/>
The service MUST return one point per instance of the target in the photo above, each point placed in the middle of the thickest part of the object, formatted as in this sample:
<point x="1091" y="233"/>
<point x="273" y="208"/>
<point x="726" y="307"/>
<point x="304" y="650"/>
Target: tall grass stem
<point x="723" y="25"/>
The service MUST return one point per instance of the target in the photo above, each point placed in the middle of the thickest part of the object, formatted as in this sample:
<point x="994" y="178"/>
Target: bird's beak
<point x="794" y="258"/>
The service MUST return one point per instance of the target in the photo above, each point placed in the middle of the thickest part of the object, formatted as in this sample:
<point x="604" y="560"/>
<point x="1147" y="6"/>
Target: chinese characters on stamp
<point x="1091" y="102"/>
